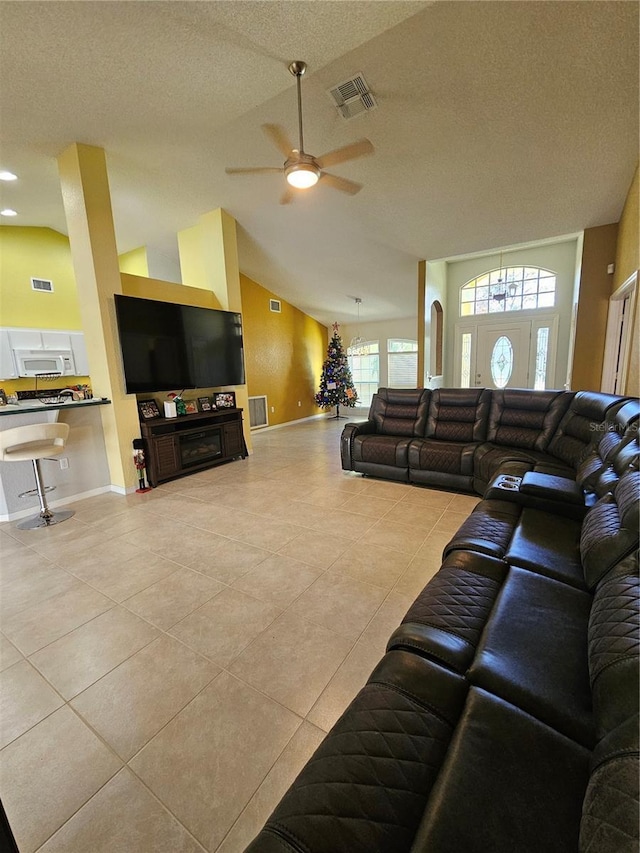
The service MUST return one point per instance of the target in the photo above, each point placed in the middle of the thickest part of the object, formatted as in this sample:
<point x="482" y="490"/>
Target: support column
<point x="209" y="259"/>
<point x="87" y="204"/>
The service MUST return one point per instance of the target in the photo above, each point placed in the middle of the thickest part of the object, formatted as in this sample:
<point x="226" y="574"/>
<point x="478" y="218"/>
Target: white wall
<point x="436" y="290"/>
<point x="162" y="267"/>
<point x="559" y="257"/>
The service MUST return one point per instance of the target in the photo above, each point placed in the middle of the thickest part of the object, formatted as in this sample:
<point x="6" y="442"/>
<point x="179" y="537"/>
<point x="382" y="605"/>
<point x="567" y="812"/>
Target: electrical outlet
<point x="64" y="463"/>
<point x="273" y="408"/>
<point x="299" y="403"/>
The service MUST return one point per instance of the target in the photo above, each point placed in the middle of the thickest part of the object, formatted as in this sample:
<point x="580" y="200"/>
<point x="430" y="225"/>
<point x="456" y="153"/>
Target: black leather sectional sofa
<point x="504" y="716"/>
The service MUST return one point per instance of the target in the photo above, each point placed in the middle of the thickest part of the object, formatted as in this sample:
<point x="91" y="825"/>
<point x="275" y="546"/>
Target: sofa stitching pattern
<point x="433" y="709"/>
<point x="429" y="624"/>
<point x="435" y="653"/>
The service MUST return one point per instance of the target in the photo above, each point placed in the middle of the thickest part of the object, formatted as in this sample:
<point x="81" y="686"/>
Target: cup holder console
<point x="508" y="482"/>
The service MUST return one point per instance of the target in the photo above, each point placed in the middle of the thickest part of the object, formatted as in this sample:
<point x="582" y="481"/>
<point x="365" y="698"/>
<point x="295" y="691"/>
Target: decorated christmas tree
<point x="336" y="384"/>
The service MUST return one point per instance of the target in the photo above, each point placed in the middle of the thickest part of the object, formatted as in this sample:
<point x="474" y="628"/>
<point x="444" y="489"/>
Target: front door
<point x="502" y="355"/>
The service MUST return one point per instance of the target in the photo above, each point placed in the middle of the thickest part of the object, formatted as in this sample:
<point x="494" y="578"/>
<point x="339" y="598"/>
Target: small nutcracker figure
<point x="138" y="461"/>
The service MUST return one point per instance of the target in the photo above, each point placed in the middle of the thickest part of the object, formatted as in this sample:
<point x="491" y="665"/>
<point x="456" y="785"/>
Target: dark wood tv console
<point x="178" y="446"/>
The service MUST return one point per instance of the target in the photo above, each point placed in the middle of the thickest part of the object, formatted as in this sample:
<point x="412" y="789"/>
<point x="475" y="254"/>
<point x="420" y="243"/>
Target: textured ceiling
<point x="498" y="123"/>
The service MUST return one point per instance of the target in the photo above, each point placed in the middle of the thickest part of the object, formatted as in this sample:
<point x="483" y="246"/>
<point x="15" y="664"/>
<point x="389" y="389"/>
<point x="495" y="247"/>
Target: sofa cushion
<point x="614" y="451"/>
<point x="487" y="530"/>
<point x="446" y="620"/>
<point x="449" y="457"/>
<point x="400" y="412"/>
<point x="610" y="530"/>
<point x="549" y="545"/>
<point x="611" y="812"/>
<point x="366" y="786"/>
<point x="525" y="419"/>
<point x="614" y="646"/>
<point x="581" y="425"/>
<point x="381" y="450"/>
<point x="509" y="784"/>
<point x="533" y="653"/>
<point x="458" y="414"/>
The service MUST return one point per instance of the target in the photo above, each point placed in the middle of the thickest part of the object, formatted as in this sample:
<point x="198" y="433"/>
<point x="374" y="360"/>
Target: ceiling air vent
<point x="352" y="97"/>
<point x="43" y="284"/>
<point x="275" y="305"/>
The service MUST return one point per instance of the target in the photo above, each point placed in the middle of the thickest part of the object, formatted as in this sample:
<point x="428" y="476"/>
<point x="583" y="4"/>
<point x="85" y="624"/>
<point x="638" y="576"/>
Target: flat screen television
<point x="168" y="347"/>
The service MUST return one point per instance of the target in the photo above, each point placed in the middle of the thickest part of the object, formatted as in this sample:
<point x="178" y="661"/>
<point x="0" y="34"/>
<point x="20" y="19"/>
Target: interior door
<point x="502" y="355"/>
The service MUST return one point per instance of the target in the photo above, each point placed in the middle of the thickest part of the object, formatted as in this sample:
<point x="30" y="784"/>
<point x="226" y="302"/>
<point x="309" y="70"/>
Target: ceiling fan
<point x="303" y="170"/>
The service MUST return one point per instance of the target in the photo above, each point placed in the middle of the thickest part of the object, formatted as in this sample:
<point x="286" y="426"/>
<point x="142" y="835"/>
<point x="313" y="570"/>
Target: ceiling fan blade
<point x="287" y="196"/>
<point x="254" y="170"/>
<point x="278" y="137"/>
<point x="342" y="184"/>
<point x="347" y="152"/>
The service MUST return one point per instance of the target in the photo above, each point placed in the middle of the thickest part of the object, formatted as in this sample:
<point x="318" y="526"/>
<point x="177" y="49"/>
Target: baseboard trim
<point x="256" y="430"/>
<point x="61" y="502"/>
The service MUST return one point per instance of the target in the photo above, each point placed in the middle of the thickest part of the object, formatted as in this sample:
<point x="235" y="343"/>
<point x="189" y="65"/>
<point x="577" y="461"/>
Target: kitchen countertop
<point x="27" y="406"/>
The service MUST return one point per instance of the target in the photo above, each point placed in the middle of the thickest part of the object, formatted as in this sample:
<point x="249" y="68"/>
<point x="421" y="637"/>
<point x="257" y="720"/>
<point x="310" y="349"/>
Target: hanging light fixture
<point x="357" y="343"/>
<point x="499" y="291"/>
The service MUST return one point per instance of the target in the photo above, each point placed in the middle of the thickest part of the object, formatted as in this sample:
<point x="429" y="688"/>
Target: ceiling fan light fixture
<point x="302" y="175"/>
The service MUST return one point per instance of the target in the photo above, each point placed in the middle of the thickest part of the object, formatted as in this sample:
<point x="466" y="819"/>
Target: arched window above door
<point x="508" y="289"/>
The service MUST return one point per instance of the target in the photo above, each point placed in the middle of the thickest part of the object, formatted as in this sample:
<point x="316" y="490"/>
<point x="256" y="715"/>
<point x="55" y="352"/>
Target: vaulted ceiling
<point x="497" y="123"/>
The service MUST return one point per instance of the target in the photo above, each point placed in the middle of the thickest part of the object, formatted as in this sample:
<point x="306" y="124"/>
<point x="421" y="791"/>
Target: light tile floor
<point x="169" y="661"/>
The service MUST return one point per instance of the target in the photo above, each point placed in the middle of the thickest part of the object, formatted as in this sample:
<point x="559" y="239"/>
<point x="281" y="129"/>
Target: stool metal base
<point x="47" y="517"/>
<point x="45" y="520"/>
<point x="30" y="492"/>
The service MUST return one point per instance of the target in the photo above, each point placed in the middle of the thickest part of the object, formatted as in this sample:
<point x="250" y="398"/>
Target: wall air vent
<point x="258" y="412"/>
<point x="42" y="284"/>
<point x="352" y="97"/>
<point x="275" y="305"/>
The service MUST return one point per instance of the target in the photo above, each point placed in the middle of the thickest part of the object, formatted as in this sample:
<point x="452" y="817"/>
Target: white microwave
<point x="31" y="362"/>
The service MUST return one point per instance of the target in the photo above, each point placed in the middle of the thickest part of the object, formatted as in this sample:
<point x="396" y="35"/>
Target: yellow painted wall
<point x="134" y="262"/>
<point x="192" y="267"/>
<point x="283" y="354"/>
<point x="27" y="253"/>
<point x="166" y="291"/>
<point x="598" y="251"/>
<point x="627" y="262"/>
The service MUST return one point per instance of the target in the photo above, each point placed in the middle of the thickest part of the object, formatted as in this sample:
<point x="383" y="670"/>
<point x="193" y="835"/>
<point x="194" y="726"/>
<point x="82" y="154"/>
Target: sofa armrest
<point x="349" y="432"/>
<point x="549" y="487"/>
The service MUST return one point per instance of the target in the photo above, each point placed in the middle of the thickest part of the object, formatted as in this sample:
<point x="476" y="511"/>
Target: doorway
<point x="618" y="342"/>
<point x="519" y="354"/>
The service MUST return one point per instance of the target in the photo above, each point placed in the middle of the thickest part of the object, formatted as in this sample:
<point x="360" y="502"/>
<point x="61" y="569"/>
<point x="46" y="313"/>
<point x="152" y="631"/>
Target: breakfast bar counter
<point x="82" y="471"/>
<point x="36" y="406"/>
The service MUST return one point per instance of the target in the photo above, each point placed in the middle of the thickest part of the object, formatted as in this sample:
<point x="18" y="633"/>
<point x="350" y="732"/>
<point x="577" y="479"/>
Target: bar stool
<point x="35" y="442"/>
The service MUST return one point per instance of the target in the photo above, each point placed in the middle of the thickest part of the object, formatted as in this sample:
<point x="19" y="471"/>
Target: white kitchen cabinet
<point x="25" y="338"/>
<point x="56" y="340"/>
<point x="79" y="350"/>
<point x="7" y="364"/>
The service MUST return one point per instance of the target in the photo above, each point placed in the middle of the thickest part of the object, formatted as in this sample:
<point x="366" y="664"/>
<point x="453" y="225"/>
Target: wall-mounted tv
<point x="169" y="347"/>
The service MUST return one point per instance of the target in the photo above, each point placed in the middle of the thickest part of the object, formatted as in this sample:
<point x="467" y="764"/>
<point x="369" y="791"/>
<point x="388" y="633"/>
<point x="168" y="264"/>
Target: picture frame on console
<point x="225" y="400"/>
<point x="148" y="409"/>
<point x="191" y="407"/>
<point x="204" y="404"/>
